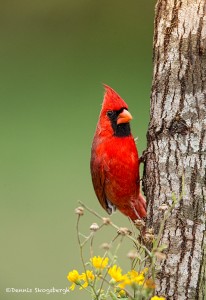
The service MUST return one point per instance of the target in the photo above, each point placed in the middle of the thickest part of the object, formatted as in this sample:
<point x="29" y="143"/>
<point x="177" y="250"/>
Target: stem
<point x="81" y="255"/>
<point x="80" y="245"/>
<point x="117" y="248"/>
<point x="91" y="245"/>
<point x="116" y="227"/>
<point x="90" y="210"/>
<point x="86" y="239"/>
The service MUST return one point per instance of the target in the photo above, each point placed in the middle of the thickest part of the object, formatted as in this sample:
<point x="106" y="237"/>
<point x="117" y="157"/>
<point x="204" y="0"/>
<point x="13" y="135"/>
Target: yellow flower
<point x="136" y="277"/>
<point x="88" y="277"/>
<point x="157" y="298"/>
<point x="74" y="277"/>
<point x="99" y="262"/>
<point x="133" y="278"/>
<point x="125" y="281"/>
<point x="116" y="273"/>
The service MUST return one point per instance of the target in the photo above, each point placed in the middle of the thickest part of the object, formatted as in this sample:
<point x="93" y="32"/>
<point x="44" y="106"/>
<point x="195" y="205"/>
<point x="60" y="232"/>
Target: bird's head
<point x="114" y="116"/>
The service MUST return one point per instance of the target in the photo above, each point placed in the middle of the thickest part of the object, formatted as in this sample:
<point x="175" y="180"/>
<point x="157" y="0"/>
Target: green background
<point x="54" y="57"/>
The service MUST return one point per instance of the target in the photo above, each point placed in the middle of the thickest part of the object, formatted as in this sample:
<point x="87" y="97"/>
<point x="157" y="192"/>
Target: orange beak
<point x="124" y="117"/>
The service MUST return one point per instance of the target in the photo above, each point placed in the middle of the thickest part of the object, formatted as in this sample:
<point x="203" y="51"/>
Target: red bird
<point x="114" y="160"/>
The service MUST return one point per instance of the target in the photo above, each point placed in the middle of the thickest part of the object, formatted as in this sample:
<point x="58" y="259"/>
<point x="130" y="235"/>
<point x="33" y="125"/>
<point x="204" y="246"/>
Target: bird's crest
<point x="112" y="101"/>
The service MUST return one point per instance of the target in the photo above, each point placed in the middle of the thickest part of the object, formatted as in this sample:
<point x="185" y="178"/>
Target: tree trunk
<point x="177" y="145"/>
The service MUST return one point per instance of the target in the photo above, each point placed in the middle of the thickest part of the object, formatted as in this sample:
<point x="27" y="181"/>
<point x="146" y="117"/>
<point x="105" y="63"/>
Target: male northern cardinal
<point x="114" y="160"/>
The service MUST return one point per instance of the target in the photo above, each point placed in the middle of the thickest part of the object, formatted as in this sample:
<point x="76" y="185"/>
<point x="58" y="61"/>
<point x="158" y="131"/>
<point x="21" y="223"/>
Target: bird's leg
<point x="143" y="157"/>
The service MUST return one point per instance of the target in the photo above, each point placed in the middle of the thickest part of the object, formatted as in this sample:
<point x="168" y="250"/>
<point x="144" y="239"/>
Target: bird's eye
<point x="110" y="113"/>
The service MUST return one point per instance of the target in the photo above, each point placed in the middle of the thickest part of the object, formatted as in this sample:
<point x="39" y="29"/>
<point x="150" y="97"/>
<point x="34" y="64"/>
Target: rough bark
<point x="177" y="145"/>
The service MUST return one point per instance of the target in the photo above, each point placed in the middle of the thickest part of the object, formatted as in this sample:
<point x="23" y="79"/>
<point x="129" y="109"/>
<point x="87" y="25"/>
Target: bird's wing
<point x="98" y="173"/>
<point x="98" y="179"/>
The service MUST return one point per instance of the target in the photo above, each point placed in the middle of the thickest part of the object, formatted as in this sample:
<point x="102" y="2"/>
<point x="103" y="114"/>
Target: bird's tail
<point x="139" y="208"/>
<point x="142" y="206"/>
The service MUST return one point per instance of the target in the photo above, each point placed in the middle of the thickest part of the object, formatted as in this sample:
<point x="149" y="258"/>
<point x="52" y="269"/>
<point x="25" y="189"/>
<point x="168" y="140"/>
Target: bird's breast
<point x="119" y="159"/>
